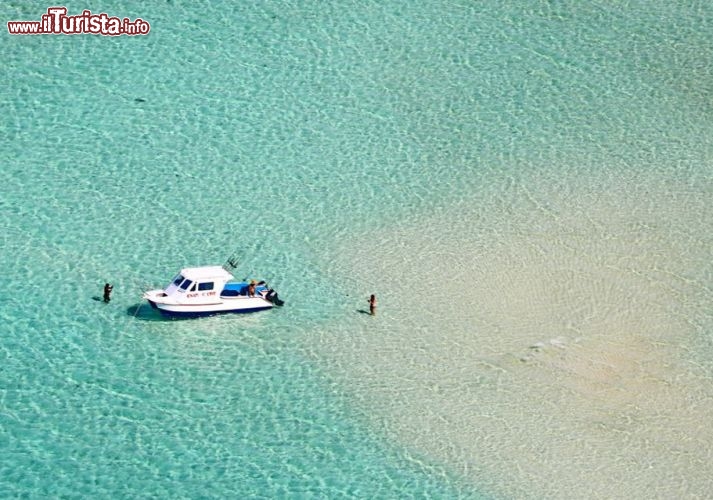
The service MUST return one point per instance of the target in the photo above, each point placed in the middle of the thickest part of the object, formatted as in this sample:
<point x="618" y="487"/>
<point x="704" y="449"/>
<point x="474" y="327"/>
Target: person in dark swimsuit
<point x="107" y="292"/>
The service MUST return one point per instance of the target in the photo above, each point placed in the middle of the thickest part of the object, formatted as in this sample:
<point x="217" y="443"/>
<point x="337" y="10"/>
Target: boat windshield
<point x="186" y="284"/>
<point x="177" y="280"/>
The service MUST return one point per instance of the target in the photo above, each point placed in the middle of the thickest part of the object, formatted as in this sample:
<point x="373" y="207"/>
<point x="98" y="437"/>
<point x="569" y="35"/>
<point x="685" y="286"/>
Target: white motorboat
<point x="207" y="290"/>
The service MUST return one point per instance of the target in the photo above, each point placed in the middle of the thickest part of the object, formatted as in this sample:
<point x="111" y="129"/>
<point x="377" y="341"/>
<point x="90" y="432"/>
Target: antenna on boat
<point x="232" y="262"/>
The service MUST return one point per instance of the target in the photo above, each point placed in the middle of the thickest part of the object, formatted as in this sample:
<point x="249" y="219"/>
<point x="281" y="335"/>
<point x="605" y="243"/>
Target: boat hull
<point x="240" y="305"/>
<point x="192" y="313"/>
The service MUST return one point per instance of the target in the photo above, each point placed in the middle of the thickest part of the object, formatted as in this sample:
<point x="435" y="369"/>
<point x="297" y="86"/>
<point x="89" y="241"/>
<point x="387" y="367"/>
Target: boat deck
<point x="231" y="290"/>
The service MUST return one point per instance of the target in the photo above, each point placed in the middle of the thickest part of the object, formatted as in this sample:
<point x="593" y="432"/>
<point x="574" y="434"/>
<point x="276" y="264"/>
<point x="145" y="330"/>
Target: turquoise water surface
<point x="343" y="149"/>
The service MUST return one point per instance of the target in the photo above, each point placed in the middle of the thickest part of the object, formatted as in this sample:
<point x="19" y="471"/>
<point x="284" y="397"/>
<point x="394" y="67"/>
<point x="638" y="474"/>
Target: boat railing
<point x="232" y="263"/>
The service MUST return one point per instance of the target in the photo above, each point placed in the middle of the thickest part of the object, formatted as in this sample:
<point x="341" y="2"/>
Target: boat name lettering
<point x="204" y="294"/>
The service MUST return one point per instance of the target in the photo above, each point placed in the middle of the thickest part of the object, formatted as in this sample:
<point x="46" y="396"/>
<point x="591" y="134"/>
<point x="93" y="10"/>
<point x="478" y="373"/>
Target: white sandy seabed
<point x="551" y="339"/>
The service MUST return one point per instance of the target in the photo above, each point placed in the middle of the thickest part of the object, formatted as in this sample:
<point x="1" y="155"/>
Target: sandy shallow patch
<point x="550" y="345"/>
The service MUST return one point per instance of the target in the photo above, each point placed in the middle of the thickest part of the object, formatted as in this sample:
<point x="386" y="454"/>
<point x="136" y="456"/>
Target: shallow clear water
<point x="526" y="188"/>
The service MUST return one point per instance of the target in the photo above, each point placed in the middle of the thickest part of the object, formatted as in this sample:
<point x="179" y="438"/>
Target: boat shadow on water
<point x="145" y="313"/>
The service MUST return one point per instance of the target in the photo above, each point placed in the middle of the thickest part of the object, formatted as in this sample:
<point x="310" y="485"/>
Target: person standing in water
<point x="372" y="305"/>
<point x="107" y="292"/>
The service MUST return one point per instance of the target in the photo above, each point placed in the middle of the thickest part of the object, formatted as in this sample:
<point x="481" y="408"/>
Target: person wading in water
<point x="372" y="305"/>
<point x="107" y="292"/>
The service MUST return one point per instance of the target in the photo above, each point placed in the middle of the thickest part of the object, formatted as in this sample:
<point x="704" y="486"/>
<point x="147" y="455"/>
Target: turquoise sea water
<point x="335" y="145"/>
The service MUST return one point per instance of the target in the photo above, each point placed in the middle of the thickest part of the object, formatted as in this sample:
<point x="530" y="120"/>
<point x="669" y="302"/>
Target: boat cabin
<point x="199" y="282"/>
